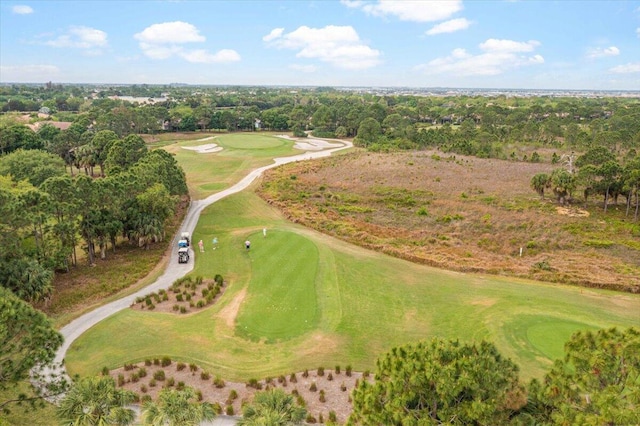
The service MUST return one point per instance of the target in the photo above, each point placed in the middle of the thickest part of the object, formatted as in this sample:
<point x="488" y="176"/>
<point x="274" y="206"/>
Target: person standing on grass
<point x="247" y="244"/>
<point x="264" y="232"/>
<point x="201" y="245"/>
<point x="215" y="242"/>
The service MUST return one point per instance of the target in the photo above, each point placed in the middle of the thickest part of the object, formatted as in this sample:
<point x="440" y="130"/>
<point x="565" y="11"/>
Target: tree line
<point x="47" y="213"/>
<point x="596" y="172"/>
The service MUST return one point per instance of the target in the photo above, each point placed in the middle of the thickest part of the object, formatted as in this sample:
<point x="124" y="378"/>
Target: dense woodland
<point x="92" y="183"/>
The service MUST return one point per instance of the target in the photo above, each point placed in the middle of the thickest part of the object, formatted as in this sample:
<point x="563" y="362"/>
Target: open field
<point x="460" y="213"/>
<point x="365" y="303"/>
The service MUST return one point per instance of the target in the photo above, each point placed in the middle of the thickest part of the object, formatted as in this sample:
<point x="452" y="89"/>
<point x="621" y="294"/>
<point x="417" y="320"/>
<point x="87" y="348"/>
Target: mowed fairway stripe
<point x="281" y="300"/>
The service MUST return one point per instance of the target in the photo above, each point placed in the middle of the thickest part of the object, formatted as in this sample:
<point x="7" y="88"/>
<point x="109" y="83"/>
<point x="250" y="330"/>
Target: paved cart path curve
<point x="174" y="270"/>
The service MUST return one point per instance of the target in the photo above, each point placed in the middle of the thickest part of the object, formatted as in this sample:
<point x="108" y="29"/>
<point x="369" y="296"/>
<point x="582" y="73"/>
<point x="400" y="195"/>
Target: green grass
<point x="211" y="172"/>
<point x="284" y="269"/>
<point x="20" y="415"/>
<point x="357" y="304"/>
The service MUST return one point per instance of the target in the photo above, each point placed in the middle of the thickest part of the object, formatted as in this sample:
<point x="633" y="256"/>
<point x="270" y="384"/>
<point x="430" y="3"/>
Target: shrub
<point x="198" y="280"/>
<point x="320" y="419"/>
<point x="188" y="298"/>
<point x="281" y="379"/>
<point x="176" y="307"/>
<point x="205" y="291"/>
<point x="142" y="372"/>
<point x="179" y="297"/>
<point x="183" y="310"/>
<point x="200" y="304"/>
<point x="330" y="377"/>
<point x="145" y="398"/>
<point x="134" y="377"/>
<point x="217" y="408"/>
<point x="348" y="370"/>
<point x="305" y="373"/>
<point x="159" y="375"/>
<point x="144" y="389"/>
<point x="156" y="361"/>
<point x="366" y="373"/>
<point x="322" y="397"/>
<point x="147" y="362"/>
<point x="337" y="370"/>
<point x="129" y="367"/>
<point x="332" y="416"/>
<point x="218" y="382"/>
<point x="121" y="380"/>
<point x="311" y="419"/>
<point x="253" y="383"/>
<point x="205" y="375"/>
<point x="233" y="395"/>
<point x="343" y="387"/>
<point x="152" y="307"/>
<point x="181" y="366"/>
<point x="313" y="387"/>
<point x="193" y="368"/>
<point x="166" y="361"/>
<point x="198" y="394"/>
<point x="293" y="378"/>
<point x="320" y="371"/>
<point x="152" y="383"/>
<point x="301" y="401"/>
<point x="180" y="386"/>
<point x="170" y="382"/>
<point x="218" y="279"/>
<point x="105" y="371"/>
<point x="229" y="410"/>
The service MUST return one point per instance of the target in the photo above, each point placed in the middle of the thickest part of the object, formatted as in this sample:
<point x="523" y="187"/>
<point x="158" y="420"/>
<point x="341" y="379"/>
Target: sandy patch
<point x="204" y="149"/>
<point x="310" y="144"/>
<point x="336" y="386"/>
<point x="229" y="312"/>
<point x="572" y="212"/>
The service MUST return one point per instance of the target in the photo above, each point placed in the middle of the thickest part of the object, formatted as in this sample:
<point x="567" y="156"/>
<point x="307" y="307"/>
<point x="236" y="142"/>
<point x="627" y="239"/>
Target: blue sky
<point x="467" y="44"/>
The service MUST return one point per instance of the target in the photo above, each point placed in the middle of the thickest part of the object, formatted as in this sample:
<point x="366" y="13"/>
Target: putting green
<point x="251" y="142"/>
<point x="282" y="298"/>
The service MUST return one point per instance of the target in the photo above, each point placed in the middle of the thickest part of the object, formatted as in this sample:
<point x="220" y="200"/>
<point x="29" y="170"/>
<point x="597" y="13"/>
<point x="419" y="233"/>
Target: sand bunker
<point x="311" y="144"/>
<point x="204" y="149"/>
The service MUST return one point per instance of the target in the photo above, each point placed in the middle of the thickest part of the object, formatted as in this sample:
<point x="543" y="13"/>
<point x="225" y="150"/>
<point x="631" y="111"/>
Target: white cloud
<point x="79" y="37"/>
<point x="274" y="34"/>
<point x="411" y="10"/>
<point x="21" y="9"/>
<point x="338" y="45"/>
<point x="202" y="56"/>
<point x="352" y="4"/>
<point x="176" y="32"/>
<point x="601" y="52"/>
<point x="498" y="56"/>
<point x="630" y="68"/>
<point x="28" y="73"/>
<point x="450" y="26"/>
<point x="166" y="40"/>
<point x="508" y="46"/>
<point x="303" y="68"/>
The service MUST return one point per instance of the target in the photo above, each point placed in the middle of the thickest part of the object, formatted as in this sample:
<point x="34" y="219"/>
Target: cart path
<point x="174" y="270"/>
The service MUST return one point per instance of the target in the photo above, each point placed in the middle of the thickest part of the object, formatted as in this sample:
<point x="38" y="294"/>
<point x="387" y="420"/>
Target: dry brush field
<point x="460" y="213"/>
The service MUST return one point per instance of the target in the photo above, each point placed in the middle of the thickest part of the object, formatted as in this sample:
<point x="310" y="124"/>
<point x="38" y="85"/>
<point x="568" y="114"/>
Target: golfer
<point x="247" y="244"/>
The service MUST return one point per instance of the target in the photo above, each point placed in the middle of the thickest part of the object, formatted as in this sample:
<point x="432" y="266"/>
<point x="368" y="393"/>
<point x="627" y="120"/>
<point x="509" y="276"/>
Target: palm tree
<point x="272" y="408"/>
<point x="177" y="408"/>
<point x="96" y="401"/>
